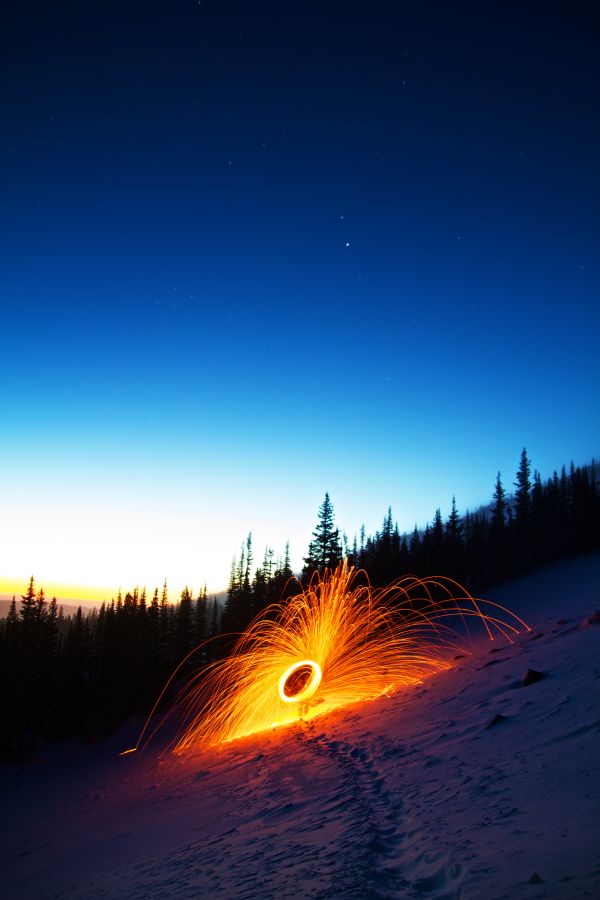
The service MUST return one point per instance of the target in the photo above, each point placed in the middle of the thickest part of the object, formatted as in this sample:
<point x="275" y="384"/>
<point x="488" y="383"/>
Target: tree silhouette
<point x="498" y="546"/>
<point x="325" y="550"/>
<point x="454" y="545"/>
<point x="184" y="627"/>
<point x="522" y="508"/>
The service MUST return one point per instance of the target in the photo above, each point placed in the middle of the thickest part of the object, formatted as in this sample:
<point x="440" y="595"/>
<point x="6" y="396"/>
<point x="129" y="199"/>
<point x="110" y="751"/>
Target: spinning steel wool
<point x="337" y="642"/>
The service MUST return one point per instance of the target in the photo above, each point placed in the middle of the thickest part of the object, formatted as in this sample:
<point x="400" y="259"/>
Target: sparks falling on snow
<point x="337" y="642"/>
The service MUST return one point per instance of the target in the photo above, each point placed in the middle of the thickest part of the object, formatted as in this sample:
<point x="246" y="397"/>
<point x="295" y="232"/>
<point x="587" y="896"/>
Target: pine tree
<point x="201" y="618"/>
<point x="454" y="545"/>
<point x="522" y="520"/>
<point x="11" y="624"/>
<point x="248" y="565"/>
<point x="283" y="583"/>
<point x="384" y="552"/>
<point x="184" y="628"/>
<point x="415" y="542"/>
<point x="499" y="509"/>
<point x="454" y="526"/>
<point x="165" y="654"/>
<point x="324" y="551"/>
<point x="498" y="555"/>
<point x="154" y="615"/>
<point x="438" y="561"/>
<point x="362" y="542"/>
<point x="286" y="569"/>
<point x="29" y="607"/>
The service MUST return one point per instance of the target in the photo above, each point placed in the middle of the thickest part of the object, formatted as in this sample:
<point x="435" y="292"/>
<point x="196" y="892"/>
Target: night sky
<point x="253" y="252"/>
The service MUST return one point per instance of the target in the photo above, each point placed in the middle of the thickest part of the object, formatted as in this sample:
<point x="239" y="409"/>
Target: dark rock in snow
<point x="536" y="879"/>
<point x="492" y="662"/>
<point x="497" y="720"/>
<point x="531" y="676"/>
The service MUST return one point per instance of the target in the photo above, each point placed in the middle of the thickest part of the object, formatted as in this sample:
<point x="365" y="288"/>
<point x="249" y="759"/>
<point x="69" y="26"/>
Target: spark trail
<point x="337" y="642"/>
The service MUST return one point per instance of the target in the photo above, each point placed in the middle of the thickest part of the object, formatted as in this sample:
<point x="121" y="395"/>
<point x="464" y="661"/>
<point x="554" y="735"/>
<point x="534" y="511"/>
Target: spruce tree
<point x="11" y="623"/>
<point x="214" y="618"/>
<point x="184" y="628"/>
<point x="438" y="561"/>
<point x="522" y="520"/>
<point x="454" y="545"/>
<point x="286" y="569"/>
<point x="29" y="608"/>
<point x="154" y="618"/>
<point x="201" y="618"/>
<point x="454" y="526"/>
<point x="165" y="654"/>
<point x="498" y="556"/>
<point x="248" y="566"/>
<point x="499" y="507"/>
<point x="324" y="551"/>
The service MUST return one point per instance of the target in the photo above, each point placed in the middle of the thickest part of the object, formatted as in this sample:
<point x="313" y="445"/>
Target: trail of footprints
<point x="380" y="858"/>
<point x="368" y="858"/>
<point x="351" y="841"/>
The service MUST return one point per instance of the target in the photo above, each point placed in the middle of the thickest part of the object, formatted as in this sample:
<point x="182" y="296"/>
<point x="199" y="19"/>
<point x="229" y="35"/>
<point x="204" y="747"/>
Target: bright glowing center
<point x="300" y="681"/>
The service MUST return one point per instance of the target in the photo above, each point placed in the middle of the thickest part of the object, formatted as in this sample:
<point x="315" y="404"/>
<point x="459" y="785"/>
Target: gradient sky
<point x="254" y="252"/>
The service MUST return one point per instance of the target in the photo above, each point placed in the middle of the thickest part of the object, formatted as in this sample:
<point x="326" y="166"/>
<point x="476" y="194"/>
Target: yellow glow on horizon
<point x="59" y="590"/>
<point x="89" y="553"/>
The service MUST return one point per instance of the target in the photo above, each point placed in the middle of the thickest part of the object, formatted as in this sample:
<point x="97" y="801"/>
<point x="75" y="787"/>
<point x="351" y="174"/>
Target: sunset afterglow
<point x="327" y="271"/>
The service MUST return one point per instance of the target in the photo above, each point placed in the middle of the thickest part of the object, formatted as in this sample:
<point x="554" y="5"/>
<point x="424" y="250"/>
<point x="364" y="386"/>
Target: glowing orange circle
<point x="309" y="688"/>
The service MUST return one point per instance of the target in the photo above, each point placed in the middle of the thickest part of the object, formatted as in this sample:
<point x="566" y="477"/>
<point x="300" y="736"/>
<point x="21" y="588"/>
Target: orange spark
<point x="337" y="642"/>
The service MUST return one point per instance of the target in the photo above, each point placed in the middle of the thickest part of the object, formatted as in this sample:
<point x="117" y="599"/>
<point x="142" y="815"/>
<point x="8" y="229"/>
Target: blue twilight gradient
<point x="253" y="252"/>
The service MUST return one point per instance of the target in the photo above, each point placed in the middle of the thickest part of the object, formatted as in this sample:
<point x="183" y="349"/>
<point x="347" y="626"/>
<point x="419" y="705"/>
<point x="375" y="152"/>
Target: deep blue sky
<point x="253" y="252"/>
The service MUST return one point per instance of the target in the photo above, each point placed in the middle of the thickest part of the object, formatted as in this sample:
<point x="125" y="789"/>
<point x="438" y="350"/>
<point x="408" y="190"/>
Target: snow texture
<point x="481" y="783"/>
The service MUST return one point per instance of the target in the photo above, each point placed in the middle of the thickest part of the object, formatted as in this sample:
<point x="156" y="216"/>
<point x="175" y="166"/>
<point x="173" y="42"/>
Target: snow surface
<point x="424" y="794"/>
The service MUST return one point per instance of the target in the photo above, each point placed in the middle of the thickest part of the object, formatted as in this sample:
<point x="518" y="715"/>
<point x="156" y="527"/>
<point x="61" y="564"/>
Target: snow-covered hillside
<point x="474" y="785"/>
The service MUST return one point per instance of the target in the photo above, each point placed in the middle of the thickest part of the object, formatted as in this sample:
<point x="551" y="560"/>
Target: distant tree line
<point x="538" y="523"/>
<point x="248" y="594"/>
<point x="86" y="674"/>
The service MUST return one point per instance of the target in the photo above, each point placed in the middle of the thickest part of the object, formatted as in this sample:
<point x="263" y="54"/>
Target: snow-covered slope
<point x="472" y="785"/>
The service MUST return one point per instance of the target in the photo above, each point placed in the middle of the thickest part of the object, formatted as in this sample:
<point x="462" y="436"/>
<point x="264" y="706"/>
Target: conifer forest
<point x="86" y="674"/>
